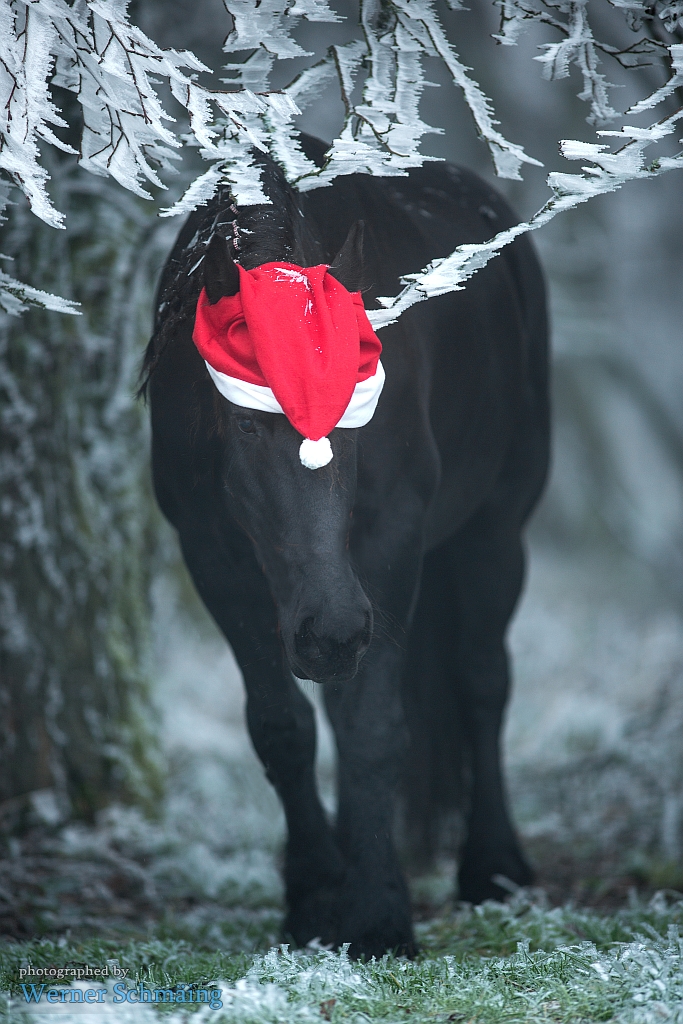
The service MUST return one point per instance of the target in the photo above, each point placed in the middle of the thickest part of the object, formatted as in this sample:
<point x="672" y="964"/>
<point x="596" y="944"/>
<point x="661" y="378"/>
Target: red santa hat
<point x="293" y="340"/>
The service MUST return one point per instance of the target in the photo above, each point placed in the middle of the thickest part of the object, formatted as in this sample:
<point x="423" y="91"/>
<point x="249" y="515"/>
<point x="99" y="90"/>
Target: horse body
<point x="390" y="575"/>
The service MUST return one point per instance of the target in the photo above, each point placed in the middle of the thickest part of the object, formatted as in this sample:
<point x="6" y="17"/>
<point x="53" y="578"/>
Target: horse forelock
<point x="256" y="235"/>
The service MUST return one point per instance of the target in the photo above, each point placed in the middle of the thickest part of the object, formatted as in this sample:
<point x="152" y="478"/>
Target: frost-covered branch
<point x="507" y="157"/>
<point x="16" y="297"/>
<point x="382" y="132"/>
<point x="90" y="48"/>
<point x="579" y="48"/>
<point x="675" y="82"/>
<point x="606" y="172"/>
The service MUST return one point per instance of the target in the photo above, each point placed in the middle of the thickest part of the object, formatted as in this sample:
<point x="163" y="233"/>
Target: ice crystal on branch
<point x="579" y="48"/>
<point x="90" y="48"/>
<point x="606" y="172"/>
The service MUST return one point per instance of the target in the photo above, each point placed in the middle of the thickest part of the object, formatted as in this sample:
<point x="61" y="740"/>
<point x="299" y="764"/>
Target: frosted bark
<point x="77" y="524"/>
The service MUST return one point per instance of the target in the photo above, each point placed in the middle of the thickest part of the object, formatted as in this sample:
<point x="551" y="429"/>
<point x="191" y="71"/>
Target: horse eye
<point x="246" y="425"/>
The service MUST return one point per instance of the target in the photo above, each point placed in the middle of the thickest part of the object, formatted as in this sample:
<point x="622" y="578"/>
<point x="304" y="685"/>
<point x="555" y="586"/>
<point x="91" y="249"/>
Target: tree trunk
<point x="76" y="514"/>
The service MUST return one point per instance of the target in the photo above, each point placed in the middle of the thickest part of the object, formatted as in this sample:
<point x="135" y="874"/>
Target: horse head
<point x="297" y="518"/>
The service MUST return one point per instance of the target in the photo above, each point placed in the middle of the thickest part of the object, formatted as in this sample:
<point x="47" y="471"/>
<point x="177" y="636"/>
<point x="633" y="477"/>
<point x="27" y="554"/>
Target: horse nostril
<point x="305" y="641"/>
<point x="360" y="641"/>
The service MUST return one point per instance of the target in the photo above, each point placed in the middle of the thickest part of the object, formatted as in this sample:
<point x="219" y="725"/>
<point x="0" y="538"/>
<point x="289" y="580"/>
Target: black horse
<point x="390" y="575"/>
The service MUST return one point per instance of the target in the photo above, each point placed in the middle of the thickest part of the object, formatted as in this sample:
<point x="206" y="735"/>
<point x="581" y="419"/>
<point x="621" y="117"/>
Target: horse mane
<point x="255" y="234"/>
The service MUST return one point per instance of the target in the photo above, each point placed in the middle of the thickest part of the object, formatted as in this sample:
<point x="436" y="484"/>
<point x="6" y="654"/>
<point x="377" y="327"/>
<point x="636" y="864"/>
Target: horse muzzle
<point x="325" y="654"/>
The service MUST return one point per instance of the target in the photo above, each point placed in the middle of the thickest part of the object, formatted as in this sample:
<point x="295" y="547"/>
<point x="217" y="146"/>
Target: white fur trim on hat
<point x="359" y="411"/>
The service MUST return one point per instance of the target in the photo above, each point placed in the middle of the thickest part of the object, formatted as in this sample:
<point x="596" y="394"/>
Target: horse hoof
<point x="312" y="918"/>
<point x="497" y="881"/>
<point x="377" y="945"/>
<point x="375" y="921"/>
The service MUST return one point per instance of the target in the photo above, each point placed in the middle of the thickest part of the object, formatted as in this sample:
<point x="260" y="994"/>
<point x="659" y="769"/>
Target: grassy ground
<point x="518" y="962"/>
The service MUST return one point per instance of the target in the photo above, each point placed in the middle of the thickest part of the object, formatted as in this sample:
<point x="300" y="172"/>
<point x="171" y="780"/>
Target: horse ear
<point x="221" y="276"/>
<point x="347" y="266"/>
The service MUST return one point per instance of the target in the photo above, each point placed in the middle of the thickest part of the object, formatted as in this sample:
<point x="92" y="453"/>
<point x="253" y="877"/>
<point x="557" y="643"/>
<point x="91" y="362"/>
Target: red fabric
<point x="297" y="331"/>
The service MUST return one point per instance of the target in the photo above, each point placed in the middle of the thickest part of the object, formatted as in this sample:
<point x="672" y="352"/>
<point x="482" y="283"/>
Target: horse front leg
<point x="282" y="728"/>
<point x="367" y="717"/>
<point x="280" y="722"/>
<point x="373" y="904"/>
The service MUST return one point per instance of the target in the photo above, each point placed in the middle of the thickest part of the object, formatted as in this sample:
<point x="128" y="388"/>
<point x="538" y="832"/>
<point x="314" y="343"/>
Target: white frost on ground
<point x="636" y="980"/>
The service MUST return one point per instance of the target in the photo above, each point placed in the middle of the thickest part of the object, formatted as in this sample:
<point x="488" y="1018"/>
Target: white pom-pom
<point x="315" y="454"/>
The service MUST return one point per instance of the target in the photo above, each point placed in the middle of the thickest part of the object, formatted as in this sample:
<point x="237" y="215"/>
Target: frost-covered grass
<point x="518" y="962"/>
